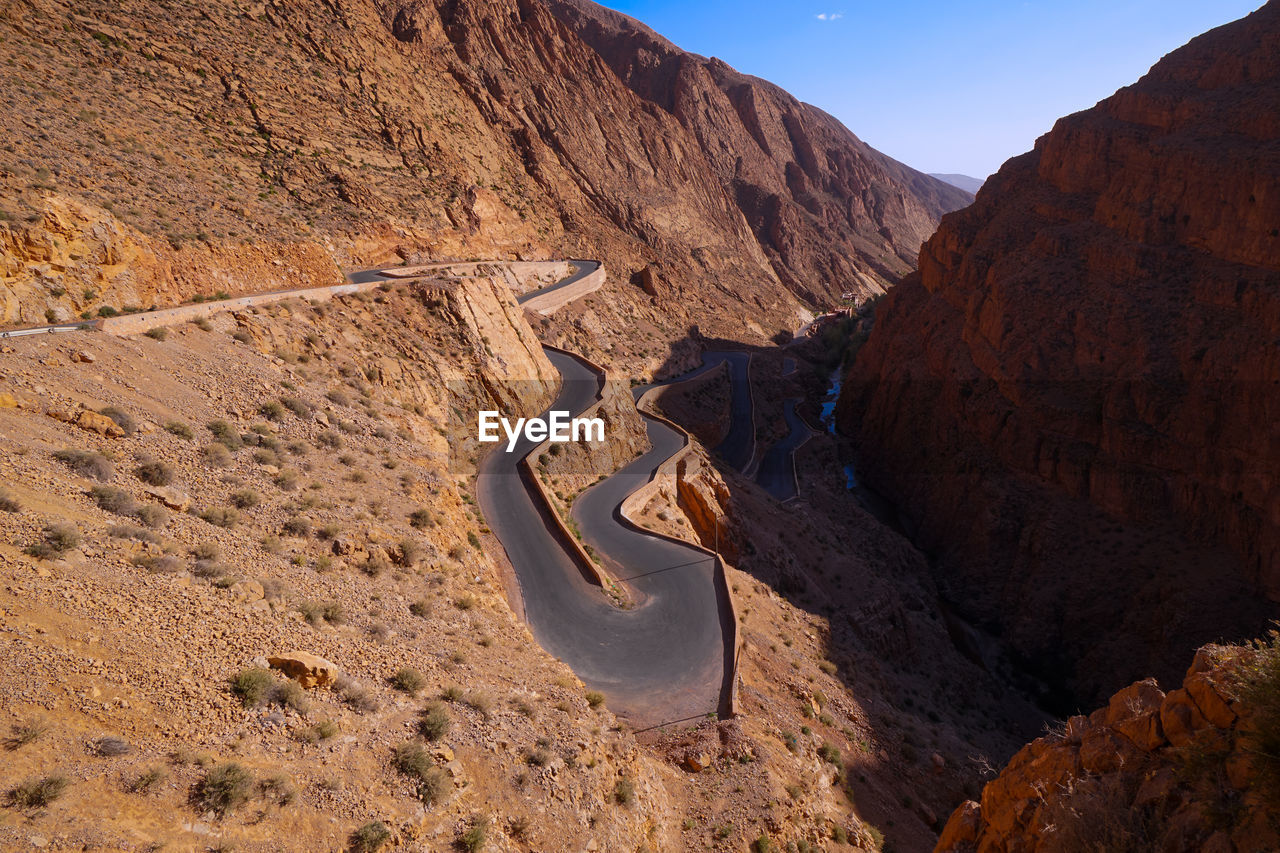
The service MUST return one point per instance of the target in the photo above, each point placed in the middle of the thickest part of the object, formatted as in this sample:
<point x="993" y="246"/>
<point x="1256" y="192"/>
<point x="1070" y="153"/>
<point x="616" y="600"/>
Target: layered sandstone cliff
<point x="1074" y="398"/>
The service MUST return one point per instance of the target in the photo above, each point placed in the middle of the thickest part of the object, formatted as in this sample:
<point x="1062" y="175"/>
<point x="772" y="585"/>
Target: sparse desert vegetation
<point x="286" y="483"/>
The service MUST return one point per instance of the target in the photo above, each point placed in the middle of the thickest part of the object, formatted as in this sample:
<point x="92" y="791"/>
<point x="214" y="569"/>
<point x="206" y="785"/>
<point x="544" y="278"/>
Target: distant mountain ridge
<point x="965" y="182"/>
<point x="355" y="133"/>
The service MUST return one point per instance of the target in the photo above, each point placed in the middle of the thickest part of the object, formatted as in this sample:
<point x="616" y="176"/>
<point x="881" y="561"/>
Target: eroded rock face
<point x="480" y="128"/>
<point x="1167" y="772"/>
<point x="1074" y="399"/>
<point x="73" y="257"/>
<point x="830" y="212"/>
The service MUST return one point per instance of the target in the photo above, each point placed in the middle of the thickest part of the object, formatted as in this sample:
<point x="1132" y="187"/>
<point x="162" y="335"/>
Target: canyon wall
<point x="1074" y="399"/>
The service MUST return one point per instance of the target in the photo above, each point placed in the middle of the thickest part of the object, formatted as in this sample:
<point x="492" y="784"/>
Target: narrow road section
<point x="662" y="660"/>
<point x="738" y="447"/>
<point x="581" y="270"/>
<point x="777" y="472"/>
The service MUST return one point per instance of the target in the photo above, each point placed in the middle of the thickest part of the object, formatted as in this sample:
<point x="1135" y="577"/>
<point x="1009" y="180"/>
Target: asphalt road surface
<point x="660" y="661"/>
<point x="582" y="269"/>
<point x="363" y="276"/>
<point x="777" y="468"/>
<point x="738" y="447"/>
<point x="46" y="330"/>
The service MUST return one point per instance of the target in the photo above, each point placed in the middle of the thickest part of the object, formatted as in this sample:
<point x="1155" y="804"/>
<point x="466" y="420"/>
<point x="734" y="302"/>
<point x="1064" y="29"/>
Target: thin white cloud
<point x="829" y="16"/>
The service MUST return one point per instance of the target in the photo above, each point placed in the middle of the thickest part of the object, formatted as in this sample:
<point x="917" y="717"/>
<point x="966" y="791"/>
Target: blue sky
<point x="941" y="85"/>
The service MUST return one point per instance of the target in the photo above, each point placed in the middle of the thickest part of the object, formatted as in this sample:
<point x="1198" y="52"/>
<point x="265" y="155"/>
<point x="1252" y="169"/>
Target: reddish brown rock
<point x="1135" y="713"/>
<point x="305" y="668"/>
<point x="1111" y="790"/>
<point x="1073" y="398"/>
<point x="1180" y="718"/>
<point x="1104" y="750"/>
<point x="1209" y="700"/>
<point x="962" y="827"/>
<point x="825" y="207"/>
<point x="101" y="424"/>
<point x="1136" y="700"/>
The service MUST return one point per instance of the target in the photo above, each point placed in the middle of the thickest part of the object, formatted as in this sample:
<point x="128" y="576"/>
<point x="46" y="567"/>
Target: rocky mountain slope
<point x="830" y="212"/>
<point x="186" y="511"/>
<point x="156" y="151"/>
<point x="965" y="182"/>
<point x="1074" y="398"/>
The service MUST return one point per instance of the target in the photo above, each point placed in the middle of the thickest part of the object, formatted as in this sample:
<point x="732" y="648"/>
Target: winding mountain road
<point x="738" y="447"/>
<point x="660" y="661"/>
<point x="777" y="472"/>
<point x="669" y="657"/>
<point x="581" y="269"/>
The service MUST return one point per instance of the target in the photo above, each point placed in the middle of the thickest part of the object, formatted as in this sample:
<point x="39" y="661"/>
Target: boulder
<point x="698" y="761"/>
<point x="84" y="357"/>
<point x="101" y="424"/>
<point x="1138" y="699"/>
<point x="247" y="592"/>
<point x="1135" y="713"/>
<point x="1204" y="692"/>
<point x="304" y="668"/>
<point x="1157" y="789"/>
<point x="1180" y="718"/>
<point x="171" y="497"/>
<point x="1145" y="731"/>
<point x="1104" y="751"/>
<point x="345" y="545"/>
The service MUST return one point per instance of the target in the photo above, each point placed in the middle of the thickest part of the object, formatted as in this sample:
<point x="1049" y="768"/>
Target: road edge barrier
<point x="530" y="477"/>
<point x="628" y="507"/>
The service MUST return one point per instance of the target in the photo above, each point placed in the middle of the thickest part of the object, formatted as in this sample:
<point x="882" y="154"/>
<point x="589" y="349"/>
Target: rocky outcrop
<point x="828" y="210"/>
<point x="1073" y="399"/>
<point x="706" y="501"/>
<point x="1148" y="771"/>
<point x="303" y="667"/>
<point x="101" y="424"/>
<point x="74" y="258"/>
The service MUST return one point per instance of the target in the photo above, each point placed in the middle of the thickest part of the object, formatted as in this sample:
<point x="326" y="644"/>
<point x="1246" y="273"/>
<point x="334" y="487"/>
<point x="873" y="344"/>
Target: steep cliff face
<point x="1192" y="769"/>
<point x="831" y="213"/>
<point x="1074" y="399"/>
<point x="357" y="133"/>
